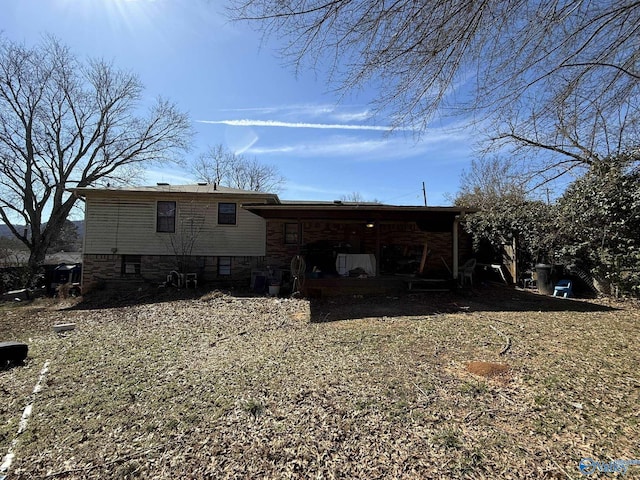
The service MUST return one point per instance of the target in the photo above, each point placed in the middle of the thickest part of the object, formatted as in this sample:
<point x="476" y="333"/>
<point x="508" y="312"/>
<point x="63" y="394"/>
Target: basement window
<point x="224" y="266"/>
<point x="131" y="265"/>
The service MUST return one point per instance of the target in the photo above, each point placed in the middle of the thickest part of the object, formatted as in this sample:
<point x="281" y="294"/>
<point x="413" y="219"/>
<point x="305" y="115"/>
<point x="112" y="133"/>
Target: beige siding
<point x="127" y="225"/>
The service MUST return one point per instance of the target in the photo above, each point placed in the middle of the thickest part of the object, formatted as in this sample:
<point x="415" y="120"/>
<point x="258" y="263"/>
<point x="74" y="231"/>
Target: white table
<point x="345" y="262"/>
<point x="496" y="268"/>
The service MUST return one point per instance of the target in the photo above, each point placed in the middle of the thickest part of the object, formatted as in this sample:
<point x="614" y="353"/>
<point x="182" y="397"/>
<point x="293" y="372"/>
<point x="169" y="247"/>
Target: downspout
<point x="84" y="237"/>
<point x="114" y="250"/>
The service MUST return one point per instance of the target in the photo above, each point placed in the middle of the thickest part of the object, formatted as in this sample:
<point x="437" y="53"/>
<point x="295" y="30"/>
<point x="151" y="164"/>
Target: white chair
<point x="466" y="272"/>
<point x="564" y="288"/>
<point x="191" y="280"/>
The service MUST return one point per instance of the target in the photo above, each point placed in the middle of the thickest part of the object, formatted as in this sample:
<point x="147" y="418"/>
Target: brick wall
<point x="279" y="254"/>
<point x="100" y="267"/>
<point x="154" y="268"/>
<point x="405" y="237"/>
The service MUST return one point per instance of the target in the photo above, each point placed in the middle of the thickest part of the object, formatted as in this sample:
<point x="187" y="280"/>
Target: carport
<point x="381" y="241"/>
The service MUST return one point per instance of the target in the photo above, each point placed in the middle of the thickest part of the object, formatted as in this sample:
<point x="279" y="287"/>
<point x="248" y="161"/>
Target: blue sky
<point x="240" y="94"/>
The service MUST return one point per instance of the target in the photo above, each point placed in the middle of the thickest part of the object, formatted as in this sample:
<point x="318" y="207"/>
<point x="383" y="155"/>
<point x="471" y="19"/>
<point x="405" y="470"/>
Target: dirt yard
<point x="493" y="383"/>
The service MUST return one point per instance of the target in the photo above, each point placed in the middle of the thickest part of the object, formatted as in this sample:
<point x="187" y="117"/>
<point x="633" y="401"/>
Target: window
<point x="166" y="218"/>
<point x="131" y="265"/>
<point x="291" y="233"/>
<point x="226" y="214"/>
<point x="224" y="266"/>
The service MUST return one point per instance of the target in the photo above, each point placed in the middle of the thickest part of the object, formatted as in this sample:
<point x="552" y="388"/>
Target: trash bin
<point x="544" y="281"/>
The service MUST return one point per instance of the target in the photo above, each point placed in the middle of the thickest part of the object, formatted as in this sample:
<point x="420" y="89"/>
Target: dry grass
<point x="220" y="386"/>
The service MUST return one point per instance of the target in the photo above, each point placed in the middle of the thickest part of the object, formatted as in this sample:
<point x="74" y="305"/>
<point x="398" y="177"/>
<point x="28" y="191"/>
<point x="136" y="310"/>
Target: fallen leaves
<point x="222" y="386"/>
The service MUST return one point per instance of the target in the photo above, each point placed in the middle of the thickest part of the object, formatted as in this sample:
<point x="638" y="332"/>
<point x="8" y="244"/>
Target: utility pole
<point x="424" y="194"/>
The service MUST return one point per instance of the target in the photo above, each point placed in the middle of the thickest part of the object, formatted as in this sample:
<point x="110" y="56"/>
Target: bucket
<point x="274" y="290"/>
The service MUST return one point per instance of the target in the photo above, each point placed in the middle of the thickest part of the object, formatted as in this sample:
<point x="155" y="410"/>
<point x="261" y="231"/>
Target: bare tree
<point x="219" y="165"/>
<point x="190" y="228"/>
<point x="214" y="165"/>
<point x="559" y="78"/>
<point x="488" y="181"/>
<point x="66" y="124"/>
<point x="68" y="238"/>
<point x="579" y="132"/>
<point x="355" y="197"/>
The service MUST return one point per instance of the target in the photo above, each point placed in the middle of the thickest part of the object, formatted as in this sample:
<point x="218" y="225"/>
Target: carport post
<point x="456" y="223"/>
<point x="378" y="249"/>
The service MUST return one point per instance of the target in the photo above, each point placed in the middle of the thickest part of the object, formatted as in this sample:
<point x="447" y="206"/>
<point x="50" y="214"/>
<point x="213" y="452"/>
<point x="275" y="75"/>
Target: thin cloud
<point x="384" y="149"/>
<point x="334" y="147"/>
<point x="173" y="177"/>
<point x="353" y="117"/>
<point x="273" y="150"/>
<point x="297" y="109"/>
<point x="275" y="123"/>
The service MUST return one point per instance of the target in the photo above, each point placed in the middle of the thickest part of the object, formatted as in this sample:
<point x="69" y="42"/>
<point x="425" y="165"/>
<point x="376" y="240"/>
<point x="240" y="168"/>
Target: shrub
<point x="600" y="215"/>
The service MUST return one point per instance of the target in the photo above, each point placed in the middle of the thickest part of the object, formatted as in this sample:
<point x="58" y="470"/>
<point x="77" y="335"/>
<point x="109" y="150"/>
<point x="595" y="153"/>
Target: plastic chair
<point x="466" y="272"/>
<point x="563" y="287"/>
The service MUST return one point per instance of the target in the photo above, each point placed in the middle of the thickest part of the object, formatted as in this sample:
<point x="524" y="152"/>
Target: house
<point x="147" y="232"/>
<point x="343" y="242"/>
<point x="220" y="233"/>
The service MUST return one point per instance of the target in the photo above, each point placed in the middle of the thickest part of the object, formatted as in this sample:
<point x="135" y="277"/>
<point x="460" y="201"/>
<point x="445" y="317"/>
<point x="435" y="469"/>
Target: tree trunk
<point x="36" y="259"/>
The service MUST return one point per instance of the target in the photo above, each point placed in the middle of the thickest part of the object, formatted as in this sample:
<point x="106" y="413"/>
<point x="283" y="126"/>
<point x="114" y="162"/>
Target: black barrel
<point x="544" y="281"/>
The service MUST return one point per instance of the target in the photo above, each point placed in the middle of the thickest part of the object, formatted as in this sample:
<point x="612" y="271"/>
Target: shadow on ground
<point x="491" y="298"/>
<point x="483" y="299"/>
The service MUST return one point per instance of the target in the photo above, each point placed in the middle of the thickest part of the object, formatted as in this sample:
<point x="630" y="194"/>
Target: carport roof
<point x="428" y="218"/>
